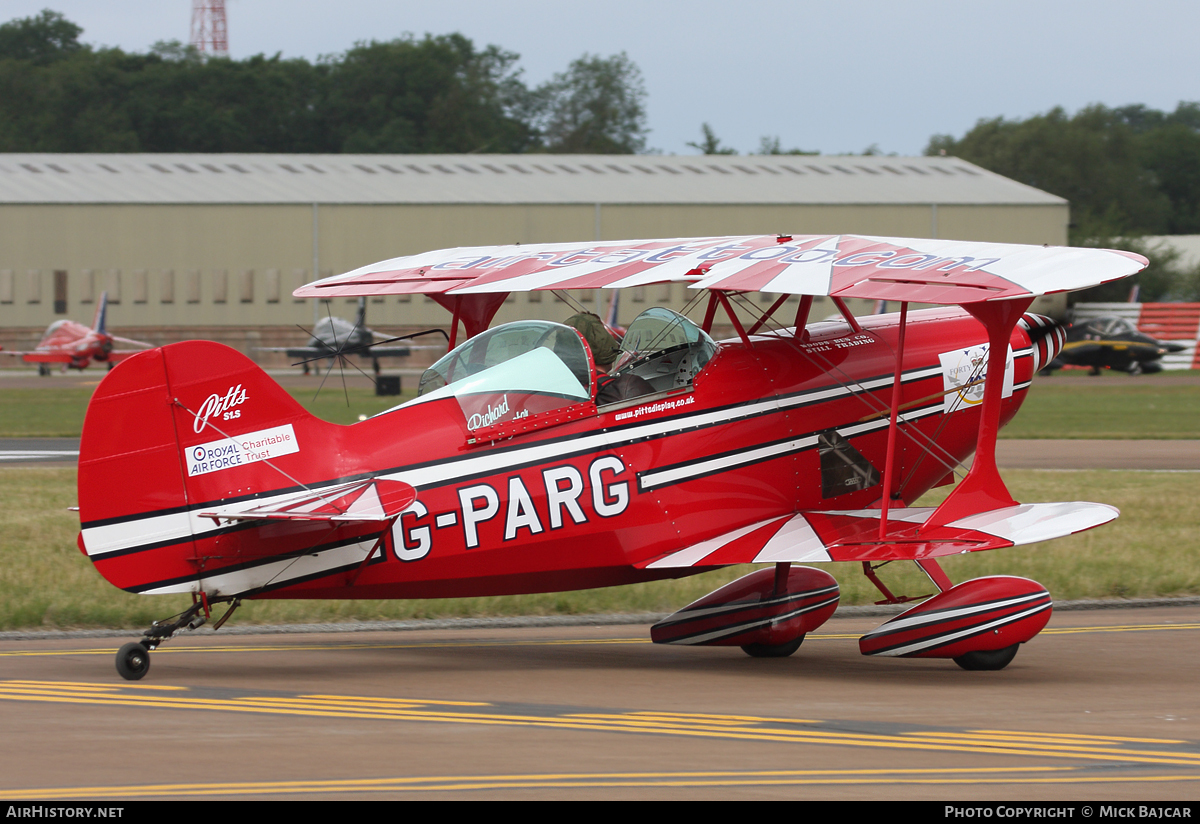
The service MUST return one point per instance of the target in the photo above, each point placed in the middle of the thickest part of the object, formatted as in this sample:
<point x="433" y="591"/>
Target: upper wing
<point x="853" y="535"/>
<point x="916" y="270"/>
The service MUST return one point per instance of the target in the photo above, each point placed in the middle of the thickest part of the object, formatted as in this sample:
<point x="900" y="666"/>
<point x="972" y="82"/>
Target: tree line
<point x="434" y="94"/>
<point x="1127" y="172"/>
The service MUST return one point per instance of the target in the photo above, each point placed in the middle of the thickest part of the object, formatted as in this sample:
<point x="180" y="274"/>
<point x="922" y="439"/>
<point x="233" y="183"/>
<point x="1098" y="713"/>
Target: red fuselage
<point x="71" y="343"/>
<point x="577" y="504"/>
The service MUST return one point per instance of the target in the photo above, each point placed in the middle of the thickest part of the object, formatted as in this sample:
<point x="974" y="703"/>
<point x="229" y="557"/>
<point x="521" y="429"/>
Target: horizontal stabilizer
<point x="132" y="342"/>
<point x="853" y="535"/>
<point x="369" y="501"/>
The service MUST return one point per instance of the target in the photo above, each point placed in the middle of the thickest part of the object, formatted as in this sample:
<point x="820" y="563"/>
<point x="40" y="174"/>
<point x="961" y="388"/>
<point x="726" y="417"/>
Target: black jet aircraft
<point x="1111" y="342"/>
<point x="333" y="337"/>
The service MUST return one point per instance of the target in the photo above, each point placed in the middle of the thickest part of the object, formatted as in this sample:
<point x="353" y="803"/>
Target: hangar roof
<point x="501" y="179"/>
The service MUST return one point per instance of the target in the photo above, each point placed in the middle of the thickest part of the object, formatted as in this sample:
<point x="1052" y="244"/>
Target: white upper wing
<point x="903" y="269"/>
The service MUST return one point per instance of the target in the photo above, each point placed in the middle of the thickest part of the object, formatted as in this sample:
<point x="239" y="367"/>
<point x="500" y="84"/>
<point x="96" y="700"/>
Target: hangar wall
<point x="215" y="251"/>
<point x="236" y="265"/>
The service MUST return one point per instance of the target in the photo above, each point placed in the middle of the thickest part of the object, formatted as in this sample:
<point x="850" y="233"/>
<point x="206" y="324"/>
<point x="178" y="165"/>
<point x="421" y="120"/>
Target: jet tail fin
<point x="360" y="320"/>
<point x="98" y="322"/>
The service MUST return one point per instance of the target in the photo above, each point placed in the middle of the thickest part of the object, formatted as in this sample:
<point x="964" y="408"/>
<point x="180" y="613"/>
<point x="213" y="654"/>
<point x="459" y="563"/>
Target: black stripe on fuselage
<point x="273" y="559"/>
<point x="772" y="404"/>
<point x="732" y="456"/>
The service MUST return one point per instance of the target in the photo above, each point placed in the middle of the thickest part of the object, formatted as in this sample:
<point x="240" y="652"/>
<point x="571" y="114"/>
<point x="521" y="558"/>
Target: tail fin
<point x="360" y="320"/>
<point x="174" y="429"/>
<point x="98" y="321"/>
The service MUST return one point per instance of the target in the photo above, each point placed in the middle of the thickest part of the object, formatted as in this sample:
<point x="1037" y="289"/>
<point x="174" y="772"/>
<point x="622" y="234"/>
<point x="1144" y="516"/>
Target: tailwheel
<point x="773" y="650"/>
<point x="987" y="659"/>
<point x="133" y="661"/>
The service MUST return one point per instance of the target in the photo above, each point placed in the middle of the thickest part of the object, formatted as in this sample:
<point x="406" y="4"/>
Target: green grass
<point x="1150" y="551"/>
<point x="43" y="413"/>
<point x="1096" y="408"/>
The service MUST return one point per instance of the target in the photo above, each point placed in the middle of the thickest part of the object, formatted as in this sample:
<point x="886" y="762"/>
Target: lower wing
<point x="853" y="535"/>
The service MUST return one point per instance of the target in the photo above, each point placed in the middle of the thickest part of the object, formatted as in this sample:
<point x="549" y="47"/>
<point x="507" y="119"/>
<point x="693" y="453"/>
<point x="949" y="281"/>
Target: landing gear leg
<point x="133" y="659"/>
<point x="786" y="648"/>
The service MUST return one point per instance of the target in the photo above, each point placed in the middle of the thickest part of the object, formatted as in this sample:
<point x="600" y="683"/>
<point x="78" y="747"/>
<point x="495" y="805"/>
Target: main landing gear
<point x="987" y="659"/>
<point x="979" y="624"/>
<point x="133" y="659"/>
<point x="773" y="650"/>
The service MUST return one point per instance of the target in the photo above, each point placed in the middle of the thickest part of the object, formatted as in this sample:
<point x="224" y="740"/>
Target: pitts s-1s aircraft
<point x="791" y="443"/>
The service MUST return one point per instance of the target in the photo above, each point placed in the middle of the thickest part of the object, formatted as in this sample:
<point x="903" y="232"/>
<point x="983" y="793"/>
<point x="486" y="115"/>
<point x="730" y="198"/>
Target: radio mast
<point x="209" y="32"/>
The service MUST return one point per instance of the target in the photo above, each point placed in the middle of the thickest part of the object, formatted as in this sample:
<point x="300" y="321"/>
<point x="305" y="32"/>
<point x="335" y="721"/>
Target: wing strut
<point x="983" y="490"/>
<point x="758" y="324"/>
<point x="802" y="316"/>
<point x="847" y="314"/>
<point x="737" y="324"/>
<point x="889" y="463"/>
<point x="474" y="311"/>
<point x="710" y="312"/>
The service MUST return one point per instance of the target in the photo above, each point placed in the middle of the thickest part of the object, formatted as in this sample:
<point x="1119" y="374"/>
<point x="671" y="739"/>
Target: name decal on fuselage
<point x="240" y="450"/>
<point x="657" y="406"/>
<point x="491" y="416"/>
<point x="221" y="405"/>
<point x="860" y="339"/>
<point x="565" y="486"/>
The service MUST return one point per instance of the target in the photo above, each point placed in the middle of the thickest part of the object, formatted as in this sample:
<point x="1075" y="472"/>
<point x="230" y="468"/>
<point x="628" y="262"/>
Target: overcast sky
<point x="828" y="75"/>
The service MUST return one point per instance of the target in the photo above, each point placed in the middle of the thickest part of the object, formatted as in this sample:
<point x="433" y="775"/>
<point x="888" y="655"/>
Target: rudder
<point x="172" y="429"/>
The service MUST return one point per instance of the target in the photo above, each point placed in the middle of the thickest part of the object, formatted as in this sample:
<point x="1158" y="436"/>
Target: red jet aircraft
<point x="75" y="346"/>
<point x="515" y="470"/>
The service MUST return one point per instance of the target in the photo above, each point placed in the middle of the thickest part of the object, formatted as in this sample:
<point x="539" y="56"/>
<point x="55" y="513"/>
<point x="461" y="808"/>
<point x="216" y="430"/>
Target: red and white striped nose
<point x="1046" y="337"/>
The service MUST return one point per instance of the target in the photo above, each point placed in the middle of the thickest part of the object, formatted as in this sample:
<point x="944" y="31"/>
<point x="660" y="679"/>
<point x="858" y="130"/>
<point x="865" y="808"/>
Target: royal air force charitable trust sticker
<point x="241" y="450"/>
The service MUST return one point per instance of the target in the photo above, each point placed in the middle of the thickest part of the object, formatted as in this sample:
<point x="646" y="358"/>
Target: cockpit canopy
<point x="532" y="374"/>
<point x="1112" y="326"/>
<point x="665" y="349"/>
<point x="515" y="377"/>
<point x="510" y="341"/>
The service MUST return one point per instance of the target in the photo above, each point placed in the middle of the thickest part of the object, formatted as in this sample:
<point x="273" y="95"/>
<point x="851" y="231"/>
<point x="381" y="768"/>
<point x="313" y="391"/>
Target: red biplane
<point x="75" y="346"/>
<point x="512" y="472"/>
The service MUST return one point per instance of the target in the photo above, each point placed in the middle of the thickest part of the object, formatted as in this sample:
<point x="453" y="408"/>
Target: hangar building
<point x="213" y="245"/>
